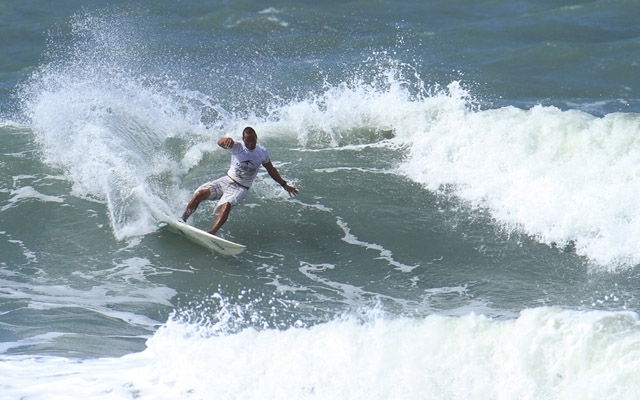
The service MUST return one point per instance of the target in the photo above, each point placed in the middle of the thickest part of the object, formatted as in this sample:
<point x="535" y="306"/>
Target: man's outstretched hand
<point x="226" y="143"/>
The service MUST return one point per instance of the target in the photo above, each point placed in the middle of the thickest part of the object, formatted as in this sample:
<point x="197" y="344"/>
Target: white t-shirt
<point x="245" y="163"/>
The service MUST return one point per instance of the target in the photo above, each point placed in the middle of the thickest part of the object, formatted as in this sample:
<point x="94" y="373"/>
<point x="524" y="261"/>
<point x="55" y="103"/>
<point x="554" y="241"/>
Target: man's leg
<point x="195" y="202"/>
<point x="225" y="209"/>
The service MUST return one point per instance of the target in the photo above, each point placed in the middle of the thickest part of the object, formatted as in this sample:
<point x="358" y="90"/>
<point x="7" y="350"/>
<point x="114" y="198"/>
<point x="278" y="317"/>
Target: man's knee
<point x="202" y="194"/>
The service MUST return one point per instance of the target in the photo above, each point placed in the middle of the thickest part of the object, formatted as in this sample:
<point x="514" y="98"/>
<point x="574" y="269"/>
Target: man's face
<point x="250" y="141"/>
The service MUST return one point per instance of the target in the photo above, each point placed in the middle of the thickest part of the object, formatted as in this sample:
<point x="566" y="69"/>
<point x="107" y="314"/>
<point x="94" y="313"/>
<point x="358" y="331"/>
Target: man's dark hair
<point x="249" y="131"/>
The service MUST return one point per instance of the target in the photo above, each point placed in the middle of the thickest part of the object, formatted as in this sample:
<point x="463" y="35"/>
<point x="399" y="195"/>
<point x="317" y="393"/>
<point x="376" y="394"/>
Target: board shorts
<point x="225" y="190"/>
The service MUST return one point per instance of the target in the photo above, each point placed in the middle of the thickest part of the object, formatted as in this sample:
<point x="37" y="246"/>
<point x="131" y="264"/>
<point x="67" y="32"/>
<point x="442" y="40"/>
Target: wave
<point x="566" y="178"/>
<point x="129" y="139"/>
<point x="546" y="353"/>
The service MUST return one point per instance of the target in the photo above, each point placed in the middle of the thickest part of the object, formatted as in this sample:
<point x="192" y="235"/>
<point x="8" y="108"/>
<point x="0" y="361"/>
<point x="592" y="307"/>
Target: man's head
<point x="250" y="138"/>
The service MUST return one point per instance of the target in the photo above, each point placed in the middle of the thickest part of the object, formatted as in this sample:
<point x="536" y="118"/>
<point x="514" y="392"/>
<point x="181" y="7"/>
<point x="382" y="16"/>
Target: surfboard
<point x="205" y="239"/>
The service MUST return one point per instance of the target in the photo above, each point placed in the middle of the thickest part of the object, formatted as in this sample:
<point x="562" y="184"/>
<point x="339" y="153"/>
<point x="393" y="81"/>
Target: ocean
<point x="467" y="225"/>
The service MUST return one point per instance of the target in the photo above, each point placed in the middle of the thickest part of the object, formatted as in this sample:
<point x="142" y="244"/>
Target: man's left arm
<point x="273" y="173"/>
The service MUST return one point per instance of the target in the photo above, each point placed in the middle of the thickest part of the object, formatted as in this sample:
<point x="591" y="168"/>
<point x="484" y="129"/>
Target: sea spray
<point x="110" y="127"/>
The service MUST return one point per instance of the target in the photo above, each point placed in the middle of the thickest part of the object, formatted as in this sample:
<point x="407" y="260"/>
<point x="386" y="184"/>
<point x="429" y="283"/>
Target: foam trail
<point x="28" y="192"/>
<point x="384" y="253"/>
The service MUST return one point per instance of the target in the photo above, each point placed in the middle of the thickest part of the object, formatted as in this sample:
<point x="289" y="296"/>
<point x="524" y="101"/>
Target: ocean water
<point x="467" y="225"/>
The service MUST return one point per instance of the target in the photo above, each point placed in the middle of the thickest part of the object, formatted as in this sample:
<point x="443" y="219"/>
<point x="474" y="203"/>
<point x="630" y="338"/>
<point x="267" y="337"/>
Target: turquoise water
<point x="466" y="225"/>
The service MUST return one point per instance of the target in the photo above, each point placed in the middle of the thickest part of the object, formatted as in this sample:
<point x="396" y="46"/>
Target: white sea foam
<point x="546" y="353"/>
<point x="29" y="193"/>
<point x="561" y="177"/>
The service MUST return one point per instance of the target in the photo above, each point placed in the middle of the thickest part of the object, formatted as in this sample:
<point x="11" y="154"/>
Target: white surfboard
<point x="212" y="242"/>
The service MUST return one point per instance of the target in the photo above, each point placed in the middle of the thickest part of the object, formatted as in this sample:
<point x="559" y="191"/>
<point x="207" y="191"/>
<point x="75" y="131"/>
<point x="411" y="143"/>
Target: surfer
<point x="246" y="158"/>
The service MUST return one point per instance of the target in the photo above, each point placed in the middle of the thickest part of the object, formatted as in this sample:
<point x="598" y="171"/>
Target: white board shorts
<point x="225" y="190"/>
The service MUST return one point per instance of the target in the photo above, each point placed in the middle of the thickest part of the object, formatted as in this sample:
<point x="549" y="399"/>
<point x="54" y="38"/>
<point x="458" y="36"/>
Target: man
<point x="230" y="190"/>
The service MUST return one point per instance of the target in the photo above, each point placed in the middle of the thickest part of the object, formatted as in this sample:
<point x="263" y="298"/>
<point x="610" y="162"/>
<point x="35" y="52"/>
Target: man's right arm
<point x="226" y="143"/>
